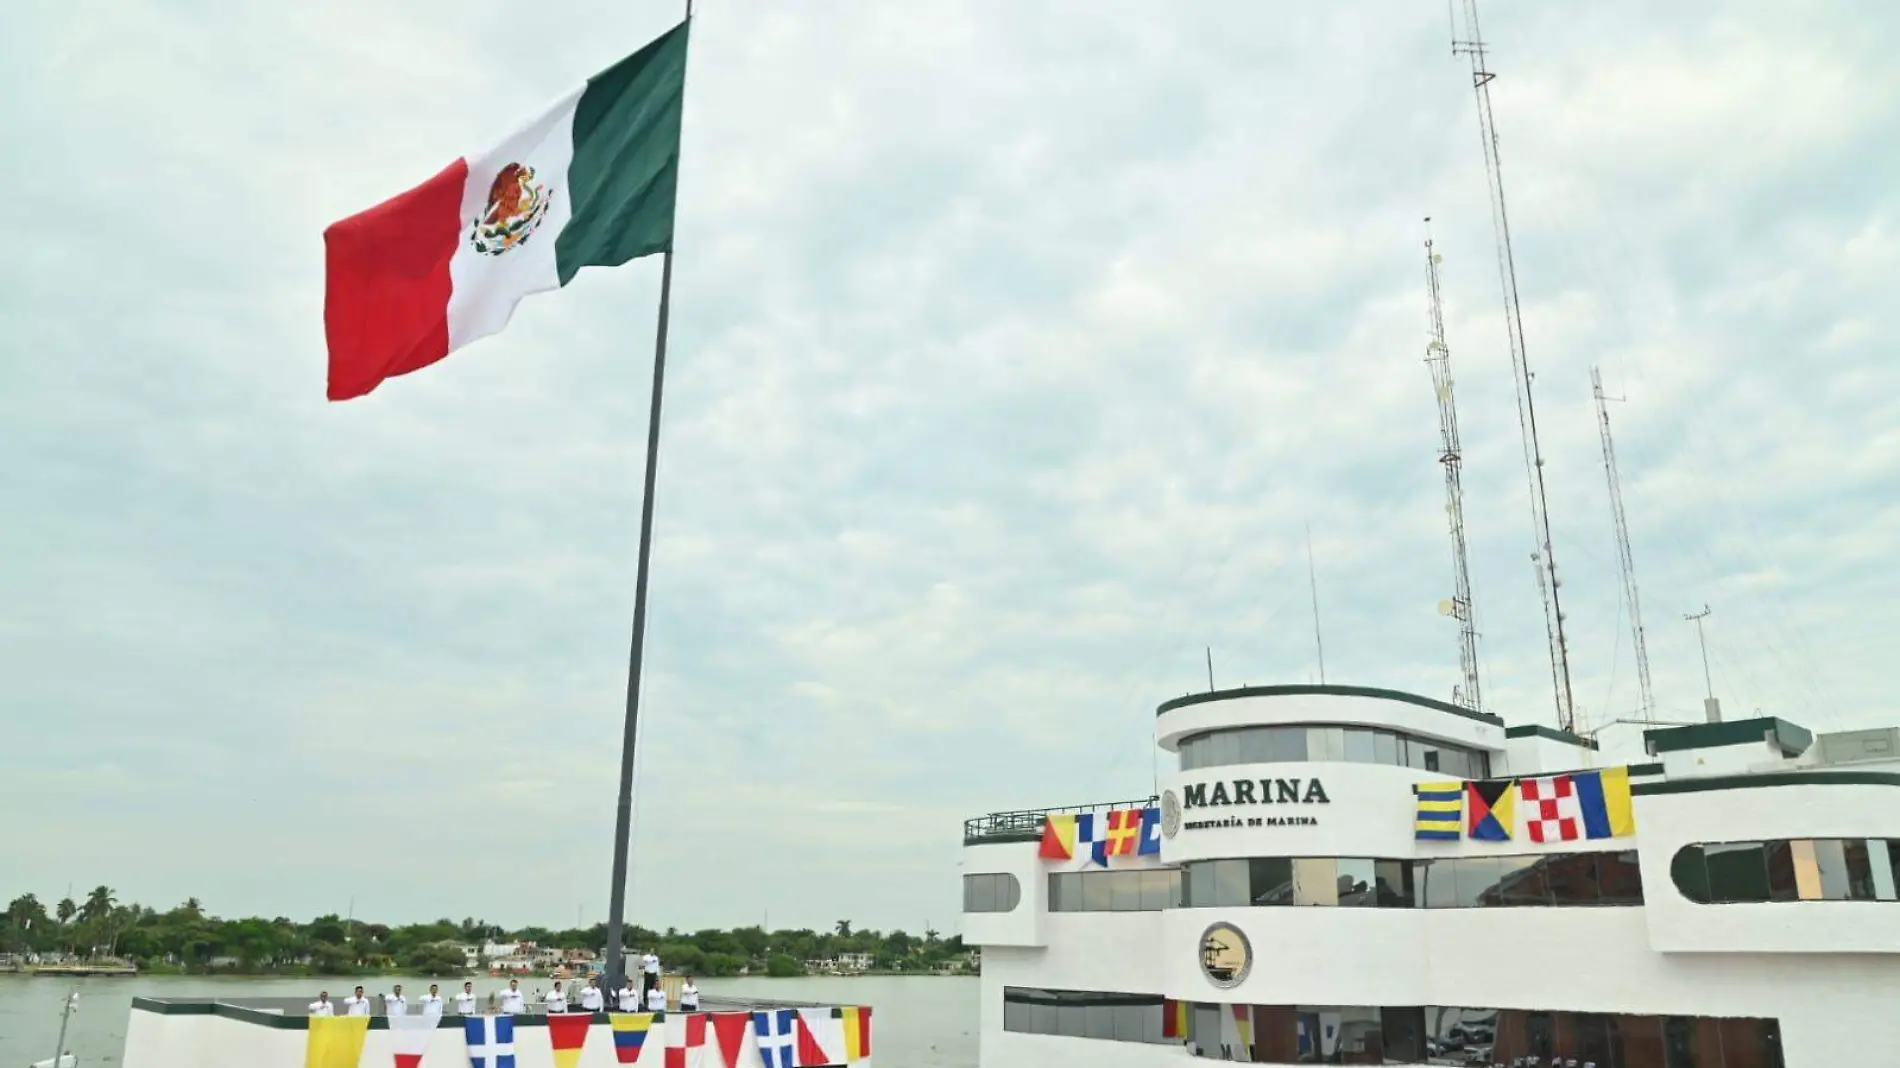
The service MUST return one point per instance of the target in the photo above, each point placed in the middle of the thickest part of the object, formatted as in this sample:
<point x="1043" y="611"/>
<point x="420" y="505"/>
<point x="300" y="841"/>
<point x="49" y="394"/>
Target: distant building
<point x="493" y="950"/>
<point x="855" y="962"/>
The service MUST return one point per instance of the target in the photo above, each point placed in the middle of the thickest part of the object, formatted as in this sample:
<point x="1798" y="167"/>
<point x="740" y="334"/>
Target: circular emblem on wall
<point x="1170" y="814"/>
<point x="1226" y="955"/>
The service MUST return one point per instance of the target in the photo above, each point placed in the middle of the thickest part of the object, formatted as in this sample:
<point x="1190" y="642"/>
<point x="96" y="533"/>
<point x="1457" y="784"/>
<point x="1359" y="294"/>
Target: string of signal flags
<point x="835" y="1037"/>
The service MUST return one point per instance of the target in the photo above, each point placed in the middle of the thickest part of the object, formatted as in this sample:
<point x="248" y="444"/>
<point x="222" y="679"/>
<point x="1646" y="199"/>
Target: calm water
<point x="923" y="1022"/>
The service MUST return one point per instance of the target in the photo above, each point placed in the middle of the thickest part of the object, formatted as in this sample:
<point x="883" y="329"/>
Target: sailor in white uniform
<point x="557" y="1000"/>
<point x="322" y="1006"/>
<point x="629" y="1000"/>
<point x="432" y="1001"/>
<point x="591" y="1000"/>
<point x="656" y="999"/>
<point x="356" y="1004"/>
<point x="394" y="1004"/>
<point x="465" y="1001"/>
<point x="512" y="1001"/>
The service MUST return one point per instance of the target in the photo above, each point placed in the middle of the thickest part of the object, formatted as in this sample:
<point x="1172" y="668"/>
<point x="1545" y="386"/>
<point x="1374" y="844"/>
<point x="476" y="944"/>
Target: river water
<point x="919" y="1022"/>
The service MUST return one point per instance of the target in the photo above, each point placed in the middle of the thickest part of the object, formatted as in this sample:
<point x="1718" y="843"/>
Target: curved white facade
<point x="1369" y="945"/>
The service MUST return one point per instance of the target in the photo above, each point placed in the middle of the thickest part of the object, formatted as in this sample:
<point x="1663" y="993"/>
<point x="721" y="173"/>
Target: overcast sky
<point x="1014" y="348"/>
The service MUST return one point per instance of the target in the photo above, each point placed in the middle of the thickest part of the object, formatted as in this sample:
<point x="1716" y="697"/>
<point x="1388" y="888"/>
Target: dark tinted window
<point x="1860" y="870"/>
<point x="1065" y="891"/>
<point x="1619" y="878"/>
<point x="1689" y="870"/>
<point x="1738" y="871"/>
<point x="1361" y="747"/>
<point x="1358" y="745"/>
<point x="991" y="892"/>
<point x="1392" y="883"/>
<point x="1477" y="879"/>
<point x="1270" y="881"/>
<point x="1641" y="1040"/>
<point x="1571" y="879"/>
<point x="1782" y="886"/>
<point x="1435" y="884"/>
<point x="1404" y="1031"/>
<point x="1521" y="882"/>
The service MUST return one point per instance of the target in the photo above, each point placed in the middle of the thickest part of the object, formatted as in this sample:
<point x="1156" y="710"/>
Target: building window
<point x="1343" y="1034"/>
<point x="1354" y="745"/>
<point x="1800" y="869"/>
<point x="1562" y="879"/>
<point x="1128" y="890"/>
<point x="1102" y="1015"/>
<point x="991" y="892"/>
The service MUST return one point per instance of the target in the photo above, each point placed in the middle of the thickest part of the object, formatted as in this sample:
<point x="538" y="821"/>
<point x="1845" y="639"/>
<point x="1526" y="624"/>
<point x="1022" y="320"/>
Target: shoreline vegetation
<point x="185" y="940"/>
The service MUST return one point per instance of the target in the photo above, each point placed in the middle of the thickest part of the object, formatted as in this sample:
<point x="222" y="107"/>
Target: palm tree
<point x="98" y="904"/>
<point x="930" y="935"/>
<point x="844" y="928"/>
<point x="66" y="911"/>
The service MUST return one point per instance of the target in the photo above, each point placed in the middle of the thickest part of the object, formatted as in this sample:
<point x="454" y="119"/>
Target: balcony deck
<point x="1025" y="825"/>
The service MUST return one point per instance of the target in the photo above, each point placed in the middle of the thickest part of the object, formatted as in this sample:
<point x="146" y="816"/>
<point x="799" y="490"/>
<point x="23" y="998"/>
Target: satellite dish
<point x="1436" y="258"/>
<point x="1445" y="607"/>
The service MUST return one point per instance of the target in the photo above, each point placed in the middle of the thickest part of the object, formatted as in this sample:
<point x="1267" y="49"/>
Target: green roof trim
<point x="1538" y="730"/>
<point x="1328" y="691"/>
<point x="1767" y="779"/>
<point x="1646" y="769"/>
<point x="1791" y="738"/>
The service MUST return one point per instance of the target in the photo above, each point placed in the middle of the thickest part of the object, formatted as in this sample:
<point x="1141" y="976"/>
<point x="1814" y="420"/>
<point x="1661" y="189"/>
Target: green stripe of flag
<point x="624" y="178"/>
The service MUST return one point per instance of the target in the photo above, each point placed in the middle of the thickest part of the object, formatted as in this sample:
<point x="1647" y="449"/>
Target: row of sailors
<point x="511" y="1001"/>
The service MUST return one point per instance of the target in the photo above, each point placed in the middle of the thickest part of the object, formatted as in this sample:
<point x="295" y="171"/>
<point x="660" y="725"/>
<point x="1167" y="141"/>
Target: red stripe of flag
<point x="387" y="285"/>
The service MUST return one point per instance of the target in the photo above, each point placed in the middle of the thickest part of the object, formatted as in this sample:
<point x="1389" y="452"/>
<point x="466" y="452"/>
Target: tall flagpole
<point x="615" y="963"/>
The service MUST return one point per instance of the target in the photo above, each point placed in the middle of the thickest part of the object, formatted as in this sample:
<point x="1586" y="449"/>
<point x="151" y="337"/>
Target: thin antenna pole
<point x="614" y="966"/>
<point x="1451" y="458"/>
<point x="1210" y="668"/>
<point x="1625" y="561"/>
<point x="1312" y="584"/>
<point x="1703" y="639"/>
<point x="1545" y="557"/>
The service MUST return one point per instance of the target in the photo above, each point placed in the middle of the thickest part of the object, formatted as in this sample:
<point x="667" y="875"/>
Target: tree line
<point x="188" y="940"/>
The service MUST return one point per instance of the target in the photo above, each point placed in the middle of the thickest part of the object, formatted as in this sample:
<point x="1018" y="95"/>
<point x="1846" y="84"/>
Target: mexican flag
<point x="589" y="183"/>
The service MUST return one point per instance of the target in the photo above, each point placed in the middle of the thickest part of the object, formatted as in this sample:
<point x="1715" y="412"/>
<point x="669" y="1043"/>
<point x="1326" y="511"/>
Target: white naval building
<point x="1750" y="921"/>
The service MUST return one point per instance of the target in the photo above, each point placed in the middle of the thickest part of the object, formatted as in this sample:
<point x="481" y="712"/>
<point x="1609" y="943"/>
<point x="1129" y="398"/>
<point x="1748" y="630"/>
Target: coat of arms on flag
<point x="491" y="1041"/>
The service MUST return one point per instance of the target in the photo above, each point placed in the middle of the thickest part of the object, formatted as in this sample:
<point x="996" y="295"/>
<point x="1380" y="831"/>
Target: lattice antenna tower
<point x="1623" y="558"/>
<point x="1451" y="458"/>
<point x="1545" y="559"/>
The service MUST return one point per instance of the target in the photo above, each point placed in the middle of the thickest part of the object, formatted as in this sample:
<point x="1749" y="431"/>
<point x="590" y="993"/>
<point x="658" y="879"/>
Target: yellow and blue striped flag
<point x="1440" y="811"/>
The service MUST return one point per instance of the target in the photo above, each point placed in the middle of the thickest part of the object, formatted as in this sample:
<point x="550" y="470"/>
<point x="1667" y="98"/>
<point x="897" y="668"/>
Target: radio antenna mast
<point x="1451" y="458"/>
<point x="1623" y="558"/>
<point x="1546" y="560"/>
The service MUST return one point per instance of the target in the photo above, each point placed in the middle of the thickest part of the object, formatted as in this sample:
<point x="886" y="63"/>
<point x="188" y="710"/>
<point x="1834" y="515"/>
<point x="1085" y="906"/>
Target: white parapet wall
<point x="181" y="1033"/>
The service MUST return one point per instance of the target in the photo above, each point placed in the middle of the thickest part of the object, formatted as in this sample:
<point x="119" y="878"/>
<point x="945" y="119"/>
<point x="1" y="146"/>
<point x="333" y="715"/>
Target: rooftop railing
<point x="1026" y="825"/>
